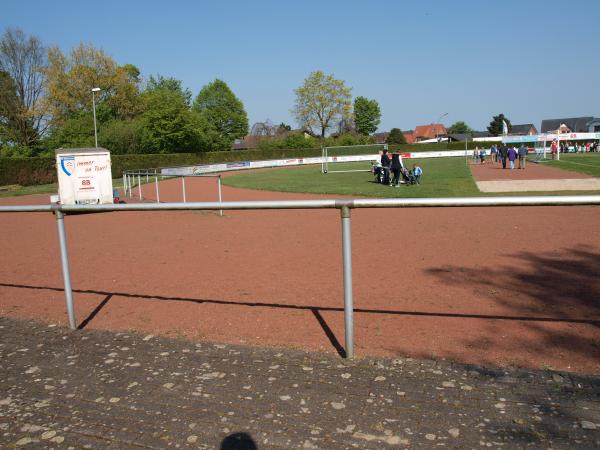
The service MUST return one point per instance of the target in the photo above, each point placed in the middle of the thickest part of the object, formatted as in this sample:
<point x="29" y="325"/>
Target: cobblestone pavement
<point x="96" y="389"/>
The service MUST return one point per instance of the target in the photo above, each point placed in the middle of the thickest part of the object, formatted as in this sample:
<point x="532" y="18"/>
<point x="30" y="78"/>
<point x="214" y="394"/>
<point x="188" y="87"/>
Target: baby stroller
<point x="381" y="173"/>
<point x="407" y="176"/>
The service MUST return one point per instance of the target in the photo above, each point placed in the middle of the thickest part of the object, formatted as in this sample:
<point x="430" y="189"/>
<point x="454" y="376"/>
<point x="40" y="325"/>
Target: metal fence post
<point x="183" y="188"/>
<point x="124" y="185"/>
<point x="146" y="175"/>
<point x="156" y="184"/>
<point x="64" y="258"/>
<point x="347" y="257"/>
<point x="140" y="185"/>
<point x="220" y="194"/>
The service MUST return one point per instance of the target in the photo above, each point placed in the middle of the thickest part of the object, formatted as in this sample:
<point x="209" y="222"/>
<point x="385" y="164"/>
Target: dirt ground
<point x="507" y="286"/>
<point x="493" y="171"/>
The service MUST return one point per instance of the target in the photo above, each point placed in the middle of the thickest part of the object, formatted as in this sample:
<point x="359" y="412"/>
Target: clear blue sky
<point x="419" y="59"/>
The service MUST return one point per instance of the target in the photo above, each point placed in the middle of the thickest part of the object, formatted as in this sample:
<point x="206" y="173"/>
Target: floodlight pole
<point x="94" y="90"/>
<point x="438" y="120"/>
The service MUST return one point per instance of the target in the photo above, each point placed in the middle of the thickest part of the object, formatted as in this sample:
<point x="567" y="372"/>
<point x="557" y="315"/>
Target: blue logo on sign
<point x="67" y="164"/>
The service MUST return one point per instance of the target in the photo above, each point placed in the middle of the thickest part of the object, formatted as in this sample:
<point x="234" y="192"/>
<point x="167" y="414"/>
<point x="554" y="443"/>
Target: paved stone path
<point x="94" y="389"/>
<point x="583" y="184"/>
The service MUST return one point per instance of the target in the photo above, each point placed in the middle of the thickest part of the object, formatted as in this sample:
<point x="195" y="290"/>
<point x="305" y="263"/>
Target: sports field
<point x="504" y="286"/>
<point x="442" y="177"/>
<point x="588" y="163"/>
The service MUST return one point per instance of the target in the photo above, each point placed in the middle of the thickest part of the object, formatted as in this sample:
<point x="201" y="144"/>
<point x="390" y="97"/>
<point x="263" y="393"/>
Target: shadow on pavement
<point x="238" y="441"/>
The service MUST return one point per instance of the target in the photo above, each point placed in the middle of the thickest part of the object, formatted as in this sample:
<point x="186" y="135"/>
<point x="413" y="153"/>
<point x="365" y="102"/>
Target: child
<point x="417" y="172"/>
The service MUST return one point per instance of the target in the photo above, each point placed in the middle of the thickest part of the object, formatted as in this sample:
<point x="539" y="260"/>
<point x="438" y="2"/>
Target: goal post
<point x="329" y="155"/>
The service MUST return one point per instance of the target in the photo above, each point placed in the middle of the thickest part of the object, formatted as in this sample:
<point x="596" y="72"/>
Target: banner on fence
<point x="211" y="168"/>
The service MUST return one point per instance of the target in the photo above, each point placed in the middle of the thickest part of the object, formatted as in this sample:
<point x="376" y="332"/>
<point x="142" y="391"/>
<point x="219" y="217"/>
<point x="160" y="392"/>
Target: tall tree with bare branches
<point x="23" y="60"/>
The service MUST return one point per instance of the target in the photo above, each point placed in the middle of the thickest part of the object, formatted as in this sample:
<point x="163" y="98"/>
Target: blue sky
<point x="419" y="59"/>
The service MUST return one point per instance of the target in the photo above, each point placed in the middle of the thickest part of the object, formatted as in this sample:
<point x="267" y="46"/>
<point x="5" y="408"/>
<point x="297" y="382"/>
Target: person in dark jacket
<point x="512" y="156"/>
<point x="396" y="166"/>
<point x="385" y="166"/>
<point x="522" y="156"/>
<point x="503" y="153"/>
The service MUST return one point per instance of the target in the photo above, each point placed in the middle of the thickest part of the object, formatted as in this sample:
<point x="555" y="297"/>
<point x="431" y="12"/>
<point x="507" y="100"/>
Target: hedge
<point x="41" y="170"/>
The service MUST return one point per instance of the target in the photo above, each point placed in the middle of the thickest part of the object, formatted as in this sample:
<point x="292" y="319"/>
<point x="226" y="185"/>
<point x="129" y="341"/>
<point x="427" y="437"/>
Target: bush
<point x="30" y="171"/>
<point x="27" y="171"/>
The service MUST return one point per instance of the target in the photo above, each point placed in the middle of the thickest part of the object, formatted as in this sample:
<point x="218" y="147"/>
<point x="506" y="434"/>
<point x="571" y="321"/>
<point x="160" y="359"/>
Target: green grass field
<point x="442" y="177"/>
<point x="16" y="190"/>
<point x="588" y="163"/>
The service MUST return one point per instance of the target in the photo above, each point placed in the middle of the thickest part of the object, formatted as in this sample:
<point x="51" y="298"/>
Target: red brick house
<point x="432" y="131"/>
<point x="526" y="129"/>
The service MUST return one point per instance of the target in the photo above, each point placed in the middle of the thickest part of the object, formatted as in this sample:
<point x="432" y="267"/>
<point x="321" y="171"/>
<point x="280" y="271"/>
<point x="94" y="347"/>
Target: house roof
<point x="429" y="131"/>
<point x="522" y="128"/>
<point x="575" y="124"/>
<point x="246" y="142"/>
<point x="481" y="134"/>
<point x="409" y="136"/>
<point x="380" y="138"/>
<point x="460" y="137"/>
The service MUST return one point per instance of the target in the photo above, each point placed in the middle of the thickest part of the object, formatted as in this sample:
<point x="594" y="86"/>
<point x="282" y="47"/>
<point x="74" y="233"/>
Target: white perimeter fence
<point x="345" y="207"/>
<point x="132" y="179"/>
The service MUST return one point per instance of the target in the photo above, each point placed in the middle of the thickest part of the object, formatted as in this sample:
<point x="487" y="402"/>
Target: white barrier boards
<point x="84" y="176"/>
<point x="225" y="167"/>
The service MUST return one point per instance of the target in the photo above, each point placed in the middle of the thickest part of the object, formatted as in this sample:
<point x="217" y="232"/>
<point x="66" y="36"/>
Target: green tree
<point x="283" y="128"/>
<point x="223" y="112"/>
<point x="396" y="137"/>
<point x="169" y="126"/>
<point x="122" y="136"/>
<point x="367" y="115"/>
<point x="23" y="112"/>
<point x="75" y="131"/>
<point x="460" y="127"/>
<point x="171" y="84"/>
<point x="72" y="77"/>
<point x="322" y="102"/>
<point x="495" y="127"/>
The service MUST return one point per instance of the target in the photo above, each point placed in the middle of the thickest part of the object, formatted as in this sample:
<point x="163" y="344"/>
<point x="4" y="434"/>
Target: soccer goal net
<point x="342" y="159"/>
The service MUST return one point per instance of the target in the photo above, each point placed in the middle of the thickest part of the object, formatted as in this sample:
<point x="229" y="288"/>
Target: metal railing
<point x="129" y="182"/>
<point x="345" y="206"/>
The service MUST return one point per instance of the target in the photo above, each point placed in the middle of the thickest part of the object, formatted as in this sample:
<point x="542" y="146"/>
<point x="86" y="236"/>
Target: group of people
<point x="385" y="167"/>
<point x="503" y="154"/>
<point x="577" y="147"/>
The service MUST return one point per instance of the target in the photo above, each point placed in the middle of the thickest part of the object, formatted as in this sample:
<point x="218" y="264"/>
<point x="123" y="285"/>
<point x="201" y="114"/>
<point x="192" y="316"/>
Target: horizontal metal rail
<point x="344" y="205"/>
<point x="566" y="200"/>
<point x="152" y="174"/>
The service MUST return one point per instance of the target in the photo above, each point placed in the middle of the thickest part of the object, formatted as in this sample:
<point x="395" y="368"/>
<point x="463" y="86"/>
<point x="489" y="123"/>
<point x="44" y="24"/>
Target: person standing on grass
<point x="396" y="166"/>
<point x="522" y="156"/>
<point x="553" y="149"/>
<point x="512" y="156"/>
<point x="385" y="166"/>
<point x="503" y="152"/>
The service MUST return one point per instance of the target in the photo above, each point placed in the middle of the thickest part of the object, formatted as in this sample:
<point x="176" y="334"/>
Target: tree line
<point x="46" y="103"/>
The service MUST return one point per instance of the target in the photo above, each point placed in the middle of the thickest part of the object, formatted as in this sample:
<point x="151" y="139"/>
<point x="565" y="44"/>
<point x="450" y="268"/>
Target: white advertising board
<point x="224" y="167"/>
<point x="84" y="176"/>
